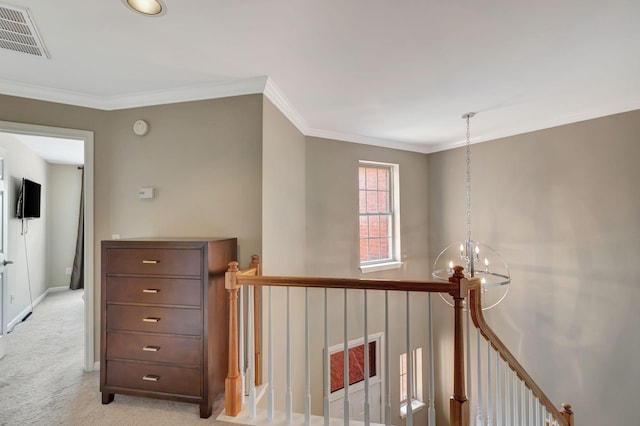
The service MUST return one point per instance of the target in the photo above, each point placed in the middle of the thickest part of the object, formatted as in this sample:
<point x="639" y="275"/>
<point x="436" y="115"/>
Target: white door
<point x="356" y="390"/>
<point x="4" y="292"/>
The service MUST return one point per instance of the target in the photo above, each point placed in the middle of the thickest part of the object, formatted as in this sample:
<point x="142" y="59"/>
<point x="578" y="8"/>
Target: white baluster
<point x="507" y="395"/>
<point x="537" y="421"/>
<point x="387" y="369"/>
<point x="251" y="353"/>
<point x="409" y="368"/>
<point x="499" y="417"/>
<point x="489" y="390"/>
<point x="270" y="395"/>
<point x="432" y="391"/>
<point x="530" y="406"/>
<point x="367" y="407"/>
<point x="479" y="418"/>
<point x="523" y="403"/>
<point x="289" y="394"/>
<point x="516" y="407"/>
<point x="307" y="362"/>
<point x="327" y="381"/>
<point x="243" y="378"/>
<point x="346" y="362"/>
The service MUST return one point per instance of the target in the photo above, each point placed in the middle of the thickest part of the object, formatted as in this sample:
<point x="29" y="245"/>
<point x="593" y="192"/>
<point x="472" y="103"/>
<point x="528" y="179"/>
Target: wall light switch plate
<point x="147" y="192"/>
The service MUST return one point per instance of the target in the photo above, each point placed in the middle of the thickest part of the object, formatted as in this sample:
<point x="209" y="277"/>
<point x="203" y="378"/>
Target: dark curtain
<point x="77" y="274"/>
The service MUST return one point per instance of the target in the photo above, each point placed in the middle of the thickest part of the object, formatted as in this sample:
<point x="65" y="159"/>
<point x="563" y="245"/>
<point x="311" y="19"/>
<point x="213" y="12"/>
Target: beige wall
<point x="283" y="195"/>
<point x="562" y="207"/>
<point x="333" y="250"/>
<point x="204" y="159"/>
<point x="26" y="278"/>
<point x="63" y="204"/>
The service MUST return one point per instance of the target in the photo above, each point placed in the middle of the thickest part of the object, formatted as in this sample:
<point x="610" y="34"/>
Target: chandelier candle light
<point x="478" y="260"/>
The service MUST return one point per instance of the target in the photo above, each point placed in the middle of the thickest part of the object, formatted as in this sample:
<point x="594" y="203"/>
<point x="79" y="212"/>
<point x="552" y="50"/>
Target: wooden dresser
<point x="164" y="316"/>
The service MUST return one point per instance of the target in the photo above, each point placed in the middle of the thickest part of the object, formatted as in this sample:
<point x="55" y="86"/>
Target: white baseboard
<point x="29" y="308"/>
<point x="96" y="366"/>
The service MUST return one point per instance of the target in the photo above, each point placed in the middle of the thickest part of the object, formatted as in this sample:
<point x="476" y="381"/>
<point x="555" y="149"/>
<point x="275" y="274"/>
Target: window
<point x="379" y="207"/>
<point x="416" y="385"/>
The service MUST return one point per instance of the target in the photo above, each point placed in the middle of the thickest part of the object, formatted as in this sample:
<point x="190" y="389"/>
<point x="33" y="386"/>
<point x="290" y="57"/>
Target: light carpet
<point x="42" y="380"/>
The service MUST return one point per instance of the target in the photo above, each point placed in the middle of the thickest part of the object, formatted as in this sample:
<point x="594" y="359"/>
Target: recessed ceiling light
<point x="147" y="7"/>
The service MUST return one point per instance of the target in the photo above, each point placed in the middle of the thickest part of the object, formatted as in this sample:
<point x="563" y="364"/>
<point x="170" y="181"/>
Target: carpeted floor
<point x="42" y="381"/>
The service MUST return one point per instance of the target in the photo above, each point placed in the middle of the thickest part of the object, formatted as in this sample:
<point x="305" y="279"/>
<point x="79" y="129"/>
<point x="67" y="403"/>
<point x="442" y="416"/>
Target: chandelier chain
<point x="468" y="117"/>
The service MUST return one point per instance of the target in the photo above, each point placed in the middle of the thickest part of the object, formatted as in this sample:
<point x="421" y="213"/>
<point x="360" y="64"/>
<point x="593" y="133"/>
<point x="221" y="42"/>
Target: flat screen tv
<point x="28" y="200"/>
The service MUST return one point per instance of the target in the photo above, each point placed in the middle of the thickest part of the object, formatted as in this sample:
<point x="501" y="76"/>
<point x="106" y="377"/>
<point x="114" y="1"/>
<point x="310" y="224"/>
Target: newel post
<point x="567" y="413"/>
<point x="233" y="382"/>
<point x="458" y="404"/>
<point x="257" y="319"/>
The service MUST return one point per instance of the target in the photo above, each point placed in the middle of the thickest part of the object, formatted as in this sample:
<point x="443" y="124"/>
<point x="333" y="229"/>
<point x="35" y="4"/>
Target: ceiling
<point x="54" y="150"/>
<point x="387" y="73"/>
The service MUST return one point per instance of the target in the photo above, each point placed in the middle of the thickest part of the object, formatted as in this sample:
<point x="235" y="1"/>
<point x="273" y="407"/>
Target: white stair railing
<point x="504" y="393"/>
<point x="350" y="289"/>
<point x="513" y="396"/>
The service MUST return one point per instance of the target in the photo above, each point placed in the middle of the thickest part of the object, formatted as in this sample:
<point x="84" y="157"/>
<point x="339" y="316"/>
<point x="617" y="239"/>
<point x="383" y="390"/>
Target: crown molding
<point x="41" y="93"/>
<point x="241" y="87"/>
<point x="263" y="84"/>
<point x="247" y="86"/>
<point x="266" y="86"/>
<point x="275" y="95"/>
<point x="366" y="140"/>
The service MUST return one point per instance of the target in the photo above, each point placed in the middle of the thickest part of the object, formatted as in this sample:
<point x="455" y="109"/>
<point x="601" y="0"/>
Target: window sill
<point x="380" y="267"/>
<point x="415" y="407"/>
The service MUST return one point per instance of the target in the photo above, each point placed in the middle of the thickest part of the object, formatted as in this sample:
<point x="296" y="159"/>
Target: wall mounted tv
<point x="28" y="206"/>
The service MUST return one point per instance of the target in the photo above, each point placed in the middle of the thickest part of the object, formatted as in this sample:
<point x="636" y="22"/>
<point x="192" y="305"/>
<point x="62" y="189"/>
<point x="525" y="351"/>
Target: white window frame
<point x="395" y="261"/>
<point x="417" y="400"/>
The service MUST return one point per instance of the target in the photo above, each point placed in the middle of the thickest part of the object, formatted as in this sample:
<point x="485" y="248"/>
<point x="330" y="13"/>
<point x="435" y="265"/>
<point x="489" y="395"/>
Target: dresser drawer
<point x="154" y="348"/>
<point x="168" y="291"/>
<point x="154" y="261"/>
<point x="154" y="320"/>
<point x="156" y="378"/>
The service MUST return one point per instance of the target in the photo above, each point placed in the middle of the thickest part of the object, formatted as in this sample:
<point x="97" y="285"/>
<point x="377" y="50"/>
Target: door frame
<point x="87" y="137"/>
<point x="4" y="293"/>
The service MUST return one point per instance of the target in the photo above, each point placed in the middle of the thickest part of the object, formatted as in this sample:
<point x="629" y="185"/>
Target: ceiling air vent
<point x="18" y="32"/>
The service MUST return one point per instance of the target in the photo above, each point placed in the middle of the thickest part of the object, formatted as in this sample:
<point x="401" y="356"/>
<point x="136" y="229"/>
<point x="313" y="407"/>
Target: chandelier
<point x="478" y="260"/>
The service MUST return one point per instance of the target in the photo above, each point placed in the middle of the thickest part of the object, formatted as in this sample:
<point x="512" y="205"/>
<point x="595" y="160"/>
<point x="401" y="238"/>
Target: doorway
<point x="87" y="138"/>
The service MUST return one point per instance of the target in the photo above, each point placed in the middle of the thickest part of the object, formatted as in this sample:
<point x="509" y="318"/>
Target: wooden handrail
<point x="564" y="417"/>
<point x="347" y="283"/>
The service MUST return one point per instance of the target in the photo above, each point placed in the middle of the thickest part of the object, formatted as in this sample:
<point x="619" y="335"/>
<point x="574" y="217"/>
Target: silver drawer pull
<point x="151" y="261"/>
<point x="151" y="348"/>
<point x="149" y="319"/>
<point x="151" y="378"/>
<point x="151" y="290"/>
